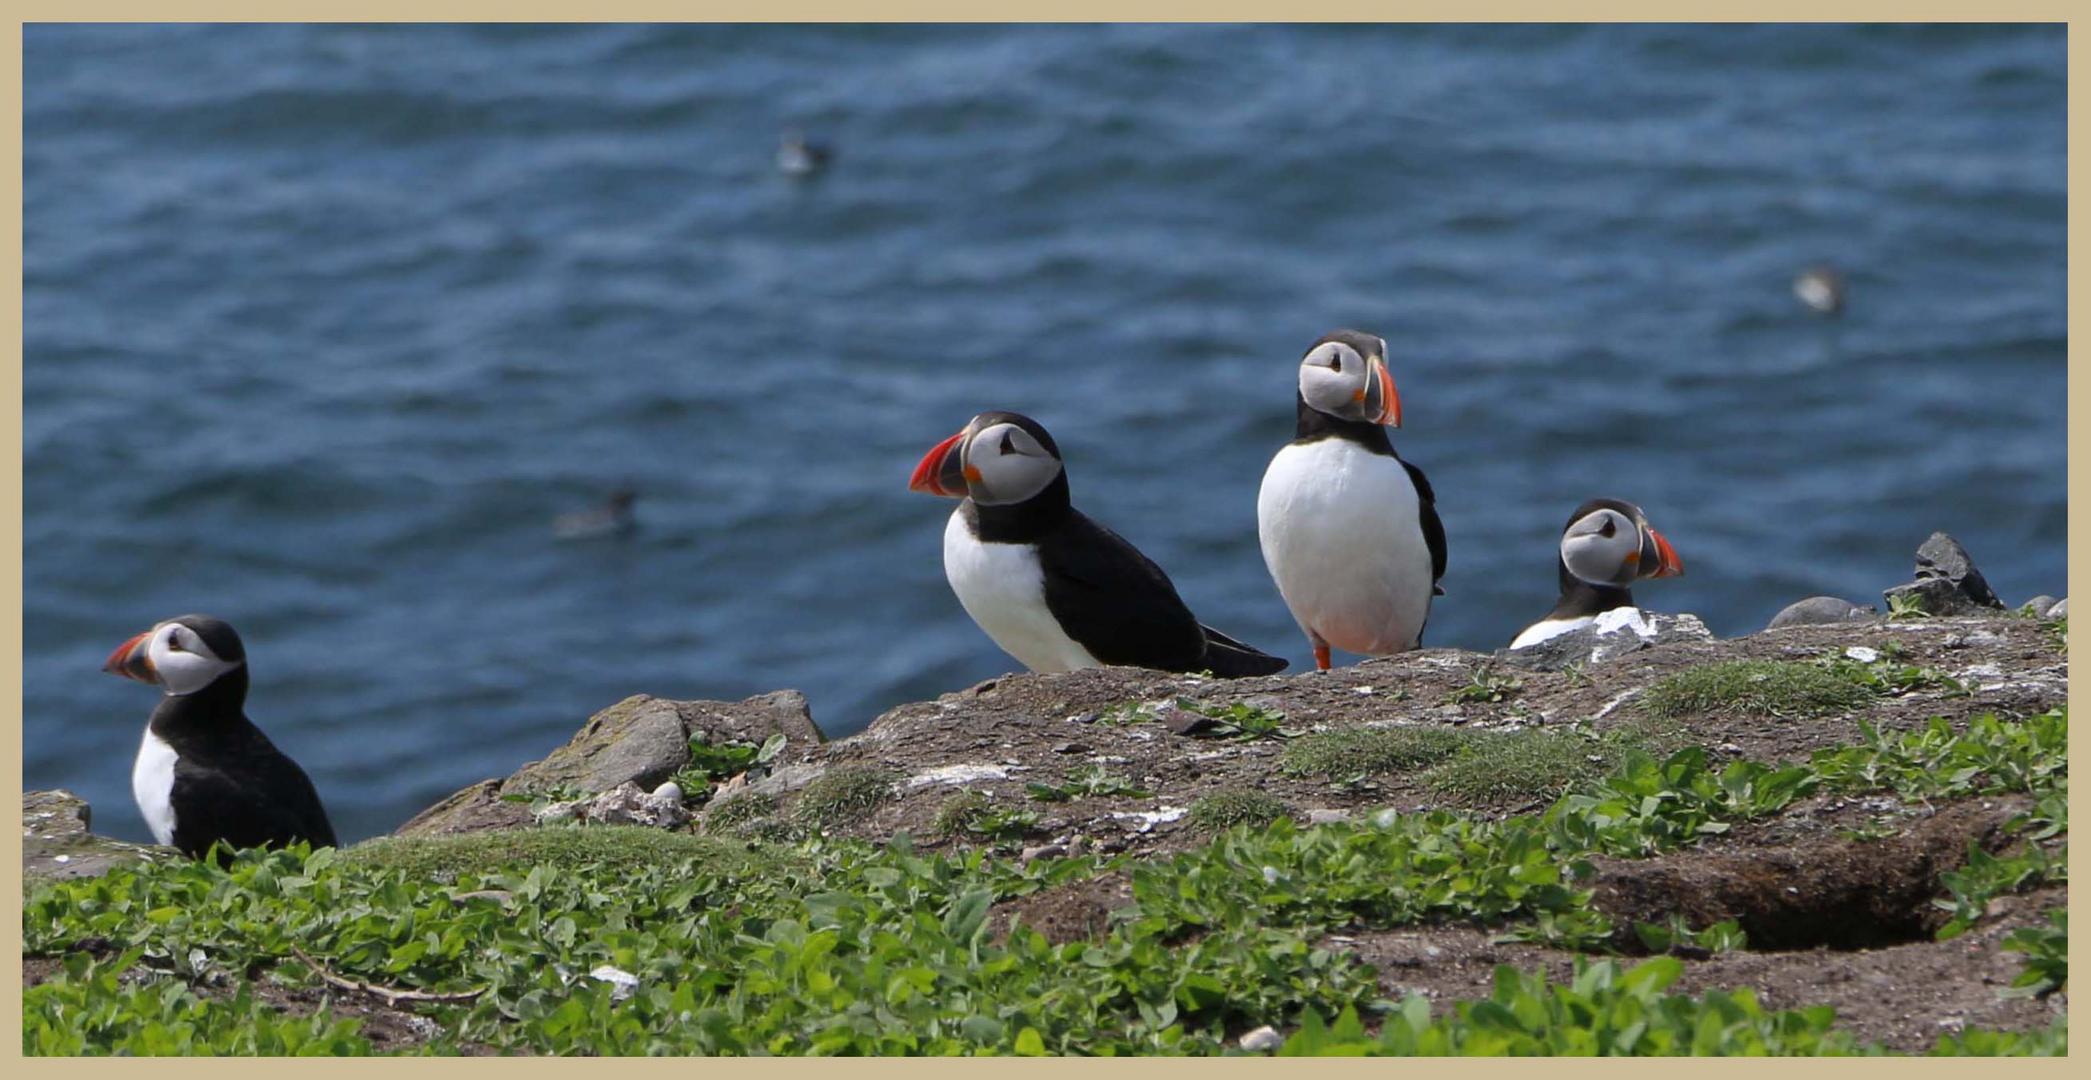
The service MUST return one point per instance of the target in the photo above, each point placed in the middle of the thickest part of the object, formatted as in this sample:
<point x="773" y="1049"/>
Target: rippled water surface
<point x="325" y="324"/>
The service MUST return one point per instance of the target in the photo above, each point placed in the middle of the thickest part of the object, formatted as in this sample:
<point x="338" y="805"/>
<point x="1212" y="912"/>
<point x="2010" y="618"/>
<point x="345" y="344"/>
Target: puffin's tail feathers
<point x="1230" y="659"/>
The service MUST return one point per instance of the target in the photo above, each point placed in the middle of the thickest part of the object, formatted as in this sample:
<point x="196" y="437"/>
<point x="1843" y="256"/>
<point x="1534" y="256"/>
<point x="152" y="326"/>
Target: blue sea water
<point x="325" y="324"/>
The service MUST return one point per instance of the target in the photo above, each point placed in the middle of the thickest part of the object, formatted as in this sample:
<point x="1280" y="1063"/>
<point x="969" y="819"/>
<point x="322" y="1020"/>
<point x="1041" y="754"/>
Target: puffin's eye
<point x="1007" y="446"/>
<point x="174" y="643"/>
<point x="1607" y="529"/>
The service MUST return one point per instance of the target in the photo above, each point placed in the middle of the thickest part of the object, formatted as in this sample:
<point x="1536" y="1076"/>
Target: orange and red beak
<point x="133" y="660"/>
<point x="1382" y="404"/>
<point x="1667" y="562"/>
<point x="942" y="471"/>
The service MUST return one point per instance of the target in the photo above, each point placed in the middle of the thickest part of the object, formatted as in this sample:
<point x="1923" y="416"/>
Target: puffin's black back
<point x="1106" y="595"/>
<point x="230" y="781"/>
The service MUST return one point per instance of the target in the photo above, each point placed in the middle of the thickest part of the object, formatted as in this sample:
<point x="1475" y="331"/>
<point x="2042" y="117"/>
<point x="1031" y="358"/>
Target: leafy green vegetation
<point x="1782" y="688"/>
<point x="1721" y="937"/>
<point x="843" y="795"/>
<point x="972" y="815"/>
<point x="1904" y="607"/>
<point x="711" y="763"/>
<point x="1991" y="756"/>
<point x="1093" y="781"/>
<point x="1603" y="1011"/>
<point x="1347" y="755"/>
<point x="2046" y="949"/>
<point x="89" y="1010"/>
<point x="828" y="946"/>
<point x="1226" y="809"/>
<point x="1242" y="720"/>
<point x="1486" y="685"/>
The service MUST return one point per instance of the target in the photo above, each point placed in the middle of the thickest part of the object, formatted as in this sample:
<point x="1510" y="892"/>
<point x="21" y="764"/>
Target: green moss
<point x="843" y="795"/>
<point x="444" y="858"/>
<point x="1354" y="753"/>
<point x="1765" y="687"/>
<point x="1521" y="765"/>
<point x="1226" y="809"/>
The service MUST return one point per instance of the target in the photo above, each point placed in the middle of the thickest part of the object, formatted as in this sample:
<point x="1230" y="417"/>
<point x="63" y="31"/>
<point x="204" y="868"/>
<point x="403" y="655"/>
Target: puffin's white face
<point x="173" y="656"/>
<point x="1609" y="546"/>
<point x="1004" y="464"/>
<point x="1338" y="379"/>
<point x="1602" y="547"/>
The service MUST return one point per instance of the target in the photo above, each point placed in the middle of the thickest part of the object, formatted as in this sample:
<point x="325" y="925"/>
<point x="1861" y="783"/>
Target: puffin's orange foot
<point x="1321" y="656"/>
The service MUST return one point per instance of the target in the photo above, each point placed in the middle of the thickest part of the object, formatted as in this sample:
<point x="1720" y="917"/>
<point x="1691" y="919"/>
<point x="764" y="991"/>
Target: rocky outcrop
<point x="1947" y="582"/>
<point x="57" y="841"/>
<point x="640" y="741"/>
<point x="1816" y="610"/>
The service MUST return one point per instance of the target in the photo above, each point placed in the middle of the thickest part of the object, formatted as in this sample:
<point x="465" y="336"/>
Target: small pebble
<point x="1262" y="1040"/>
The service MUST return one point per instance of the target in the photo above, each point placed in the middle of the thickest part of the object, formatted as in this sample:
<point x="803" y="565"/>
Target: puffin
<point x="1606" y="546"/>
<point x="204" y="772"/>
<point x="1051" y="587"/>
<point x="1349" y="530"/>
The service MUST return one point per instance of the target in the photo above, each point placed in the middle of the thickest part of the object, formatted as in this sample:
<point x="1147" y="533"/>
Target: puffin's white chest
<point x="152" y="784"/>
<point x="1343" y="537"/>
<point x="1002" y="587"/>
<point x="1551" y="628"/>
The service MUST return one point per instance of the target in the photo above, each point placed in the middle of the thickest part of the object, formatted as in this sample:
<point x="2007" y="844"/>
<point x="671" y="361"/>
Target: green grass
<point x="1227" y="809"/>
<point x="836" y="946"/>
<point x="1496" y="767"/>
<point x="1780" y="688"/>
<point x="1349" y="754"/>
<point x="446" y="858"/>
<point x="842" y="796"/>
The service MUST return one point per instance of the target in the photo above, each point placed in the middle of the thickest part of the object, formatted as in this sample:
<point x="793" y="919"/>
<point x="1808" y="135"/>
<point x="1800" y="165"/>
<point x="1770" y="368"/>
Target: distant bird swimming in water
<point x="1822" y="289"/>
<point x="797" y="157"/>
<point x="612" y="518"/>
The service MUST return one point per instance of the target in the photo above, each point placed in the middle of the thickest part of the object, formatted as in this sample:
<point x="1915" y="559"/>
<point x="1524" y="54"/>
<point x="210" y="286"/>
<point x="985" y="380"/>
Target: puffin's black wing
<point x="248" y="795"/>
<point x="1115" y="601"/>
<point x="1230" y="659"/>
<point x="1433" y="529"/>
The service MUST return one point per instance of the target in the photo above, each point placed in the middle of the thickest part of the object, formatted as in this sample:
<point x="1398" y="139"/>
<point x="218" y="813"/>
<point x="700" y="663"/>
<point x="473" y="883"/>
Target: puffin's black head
<point x="998" y="459"/>
<point x="181" y="655"/>
<point x="1345" y="376"/>
<point x="1609" y="542"/>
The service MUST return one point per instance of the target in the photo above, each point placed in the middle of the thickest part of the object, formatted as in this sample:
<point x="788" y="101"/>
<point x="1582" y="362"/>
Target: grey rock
<point x="1185" y="722"/>
<point x="628" y="804"/>
<point x="1819" y="609"/>
<point x="1947" y="582"/>
<point x="1613" y="634"/>
<point x="2060" y="610"/>
<point x="786" y="778"/>
<point x="642" y="740"/>
<point x="2039" y="605"/>
<point x="58" y="842"/>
